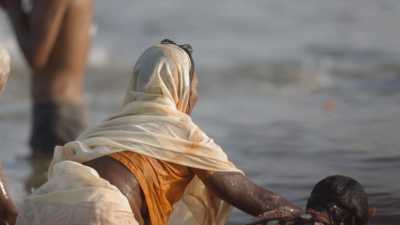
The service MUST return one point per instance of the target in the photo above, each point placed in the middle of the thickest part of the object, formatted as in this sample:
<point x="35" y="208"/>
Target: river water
<point x="293" y="91"/>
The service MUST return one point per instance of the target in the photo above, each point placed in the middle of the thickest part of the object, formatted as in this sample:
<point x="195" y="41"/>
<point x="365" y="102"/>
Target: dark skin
<point x="8" y="210"/>
<point x="54" y="38"/>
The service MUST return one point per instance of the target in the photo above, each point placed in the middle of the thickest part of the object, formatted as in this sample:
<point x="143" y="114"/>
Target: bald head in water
<point x="4" y="68"/>
<point x="335" y="200"/>
<point x="343" y="197"/>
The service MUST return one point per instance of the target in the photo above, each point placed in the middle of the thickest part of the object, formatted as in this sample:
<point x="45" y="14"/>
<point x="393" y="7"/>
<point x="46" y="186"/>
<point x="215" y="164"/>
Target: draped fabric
<point x="152" y="122"/>
<point x="76" y="195"/>
<point x="162" y="183"/>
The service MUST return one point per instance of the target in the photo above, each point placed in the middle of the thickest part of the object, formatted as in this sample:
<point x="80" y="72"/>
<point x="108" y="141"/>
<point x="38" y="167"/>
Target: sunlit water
<point x="293" y="92"/>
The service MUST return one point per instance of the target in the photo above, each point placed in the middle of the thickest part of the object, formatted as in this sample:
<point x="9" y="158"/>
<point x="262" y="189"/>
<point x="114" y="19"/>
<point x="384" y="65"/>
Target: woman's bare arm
<point x="253" y="199"/>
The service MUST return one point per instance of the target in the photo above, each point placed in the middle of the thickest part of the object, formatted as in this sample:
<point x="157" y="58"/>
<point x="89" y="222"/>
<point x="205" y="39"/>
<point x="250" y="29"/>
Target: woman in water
<point x="149" y="163"/>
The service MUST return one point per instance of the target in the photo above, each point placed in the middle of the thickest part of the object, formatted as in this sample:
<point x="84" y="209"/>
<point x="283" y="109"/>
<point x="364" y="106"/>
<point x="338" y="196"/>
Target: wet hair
<point x="343" y="198"/>
<point x="188" y="49"/>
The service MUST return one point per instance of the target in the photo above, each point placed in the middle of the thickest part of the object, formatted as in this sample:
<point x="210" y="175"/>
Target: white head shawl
<point x="4" y="68"/>
<point x="152" y="122"/>
<point x="161" y="72"/>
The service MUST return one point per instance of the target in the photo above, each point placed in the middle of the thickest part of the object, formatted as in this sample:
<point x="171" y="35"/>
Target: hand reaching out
<point x="281" y="213"/>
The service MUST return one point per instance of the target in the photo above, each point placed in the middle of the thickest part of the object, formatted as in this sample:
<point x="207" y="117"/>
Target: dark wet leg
<point x="53" y="123"/>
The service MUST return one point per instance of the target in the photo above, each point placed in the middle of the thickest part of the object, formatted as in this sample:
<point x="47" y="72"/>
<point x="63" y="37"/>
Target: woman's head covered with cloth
<point x="154" y="121"/>
<point x="165" y="72"/>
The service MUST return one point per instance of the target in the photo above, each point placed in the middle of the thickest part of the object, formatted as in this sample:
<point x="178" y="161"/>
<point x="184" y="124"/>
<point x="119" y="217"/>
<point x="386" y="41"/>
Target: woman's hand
<point x="281" y="213"/>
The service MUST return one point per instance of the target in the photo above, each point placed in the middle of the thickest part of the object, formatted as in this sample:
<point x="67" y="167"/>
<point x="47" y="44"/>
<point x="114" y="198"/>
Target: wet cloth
<point x="55" y="123"/>
<point x="152" y="122"/>
<point x="162" y="183"/>
<point x="76" y="195"/>
<point x="4" y="67"/>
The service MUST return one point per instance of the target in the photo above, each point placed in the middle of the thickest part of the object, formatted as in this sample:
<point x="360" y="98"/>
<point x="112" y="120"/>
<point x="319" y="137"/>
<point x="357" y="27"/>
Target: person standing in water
<point x="54" y="37"/>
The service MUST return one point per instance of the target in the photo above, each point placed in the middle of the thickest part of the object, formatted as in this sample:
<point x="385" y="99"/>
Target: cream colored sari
<point x="152" y="122"/>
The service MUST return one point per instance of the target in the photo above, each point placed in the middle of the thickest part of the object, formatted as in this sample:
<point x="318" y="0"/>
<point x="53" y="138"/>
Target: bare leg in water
<point x="8" y="210"/>
<point x="54" y="37"/>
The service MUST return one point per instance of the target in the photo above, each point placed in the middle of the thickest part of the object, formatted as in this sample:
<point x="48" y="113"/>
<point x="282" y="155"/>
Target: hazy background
<point x="293" y="90"/>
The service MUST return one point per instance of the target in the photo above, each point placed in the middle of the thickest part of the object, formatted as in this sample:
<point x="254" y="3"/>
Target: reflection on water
<point x="279" y="130"/>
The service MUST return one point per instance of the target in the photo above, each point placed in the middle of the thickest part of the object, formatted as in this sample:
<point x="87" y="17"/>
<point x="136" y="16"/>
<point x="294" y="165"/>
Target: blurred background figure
<point x="4" y="68"/>
<point x="54" y="37"/>
<point x="267" y="70"/>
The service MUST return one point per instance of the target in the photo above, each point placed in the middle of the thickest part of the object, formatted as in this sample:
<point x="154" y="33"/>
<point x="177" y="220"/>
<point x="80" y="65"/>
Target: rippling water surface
<point x="293" y="92"/>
